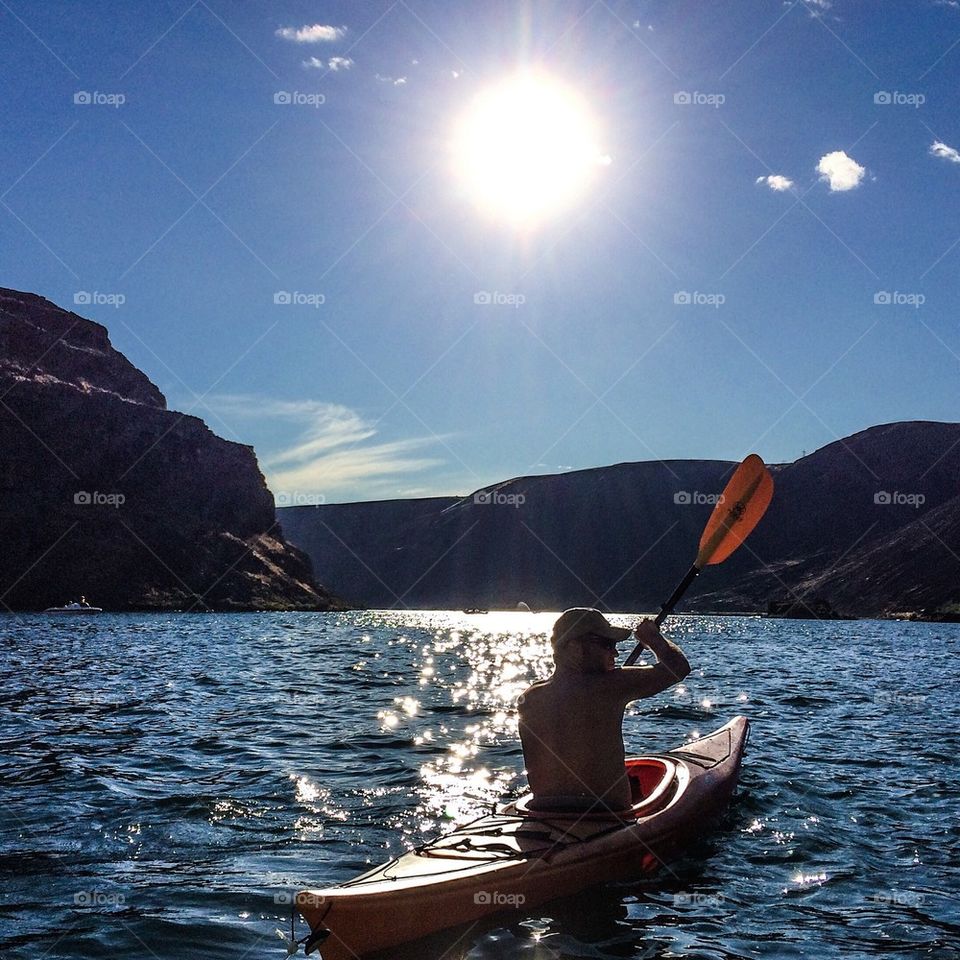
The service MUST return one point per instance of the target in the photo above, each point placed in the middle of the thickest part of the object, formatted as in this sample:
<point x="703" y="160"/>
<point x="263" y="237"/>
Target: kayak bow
<point x="518" y="858"/>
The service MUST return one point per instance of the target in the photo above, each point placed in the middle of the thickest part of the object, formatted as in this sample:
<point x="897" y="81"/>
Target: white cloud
<point x="840" y="171"/>
<point x="396" y="81"/>
<point x="334" y="63"/>
<point x="776" y="181"/>
<point x="339" y="471"/>
<point x="311" y="33"/>
<point x="331" y="453"/>
<point x="939" y="149"/>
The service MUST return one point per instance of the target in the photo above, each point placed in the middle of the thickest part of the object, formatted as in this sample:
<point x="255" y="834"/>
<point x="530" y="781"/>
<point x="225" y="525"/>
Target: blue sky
<point x="766" y="260"/>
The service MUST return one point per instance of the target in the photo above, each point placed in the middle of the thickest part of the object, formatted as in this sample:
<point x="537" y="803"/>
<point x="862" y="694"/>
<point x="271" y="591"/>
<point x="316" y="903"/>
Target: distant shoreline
<point x="909" y="616"/>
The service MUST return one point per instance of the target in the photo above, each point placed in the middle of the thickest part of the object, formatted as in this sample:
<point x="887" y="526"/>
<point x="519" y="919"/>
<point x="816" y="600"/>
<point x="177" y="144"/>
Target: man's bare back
<point x="571" y="723"/>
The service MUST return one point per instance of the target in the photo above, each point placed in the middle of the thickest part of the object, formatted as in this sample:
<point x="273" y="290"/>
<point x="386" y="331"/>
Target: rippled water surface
<point x="168" y="781"/>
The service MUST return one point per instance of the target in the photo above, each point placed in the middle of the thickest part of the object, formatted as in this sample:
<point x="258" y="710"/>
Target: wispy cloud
<point x="776" y="182"/>
<point x="396" y="81"/>
<point x="334" y="451"/>
<point x="840" y="171"/>
<point x="939" y="149"/>
<point x="334" y="63"/>
<point x="312" y="33"/>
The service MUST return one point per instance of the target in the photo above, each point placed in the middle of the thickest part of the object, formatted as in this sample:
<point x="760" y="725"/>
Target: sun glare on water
<point x="526" y="149"/>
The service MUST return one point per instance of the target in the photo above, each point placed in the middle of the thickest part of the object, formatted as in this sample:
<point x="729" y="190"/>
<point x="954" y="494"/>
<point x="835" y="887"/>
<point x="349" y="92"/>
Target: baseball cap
<point x="578" y="621"/>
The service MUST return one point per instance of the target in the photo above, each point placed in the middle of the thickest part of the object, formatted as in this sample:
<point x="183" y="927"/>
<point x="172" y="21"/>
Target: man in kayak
<point x="571" y="724"/>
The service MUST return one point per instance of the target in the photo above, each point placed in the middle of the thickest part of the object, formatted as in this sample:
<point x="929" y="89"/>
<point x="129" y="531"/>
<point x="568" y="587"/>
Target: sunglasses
<point x="604" y="642"/>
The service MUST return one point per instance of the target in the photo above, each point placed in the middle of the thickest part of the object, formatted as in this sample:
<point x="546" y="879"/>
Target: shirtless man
<point x="571" y="723"/>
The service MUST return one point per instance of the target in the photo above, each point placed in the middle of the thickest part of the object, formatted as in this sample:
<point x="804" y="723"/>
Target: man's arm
<point x="637" y="683"/>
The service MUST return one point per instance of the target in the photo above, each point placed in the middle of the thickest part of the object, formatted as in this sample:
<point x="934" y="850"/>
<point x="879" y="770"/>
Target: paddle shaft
<point x="677" y="594"/>
<point x="666" y="609"/>
<point x="740" y="507"/>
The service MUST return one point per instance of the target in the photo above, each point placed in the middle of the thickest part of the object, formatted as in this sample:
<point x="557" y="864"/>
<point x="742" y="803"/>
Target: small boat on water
<point x="75" y="606"/>
<point x="520" y="857"/>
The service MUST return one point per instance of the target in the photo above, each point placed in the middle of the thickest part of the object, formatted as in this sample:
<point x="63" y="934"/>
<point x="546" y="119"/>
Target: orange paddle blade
<point x="744" y="501"/>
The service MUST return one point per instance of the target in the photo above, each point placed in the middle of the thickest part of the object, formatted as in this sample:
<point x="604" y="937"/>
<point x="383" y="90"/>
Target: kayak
<point x="517" y="857"/>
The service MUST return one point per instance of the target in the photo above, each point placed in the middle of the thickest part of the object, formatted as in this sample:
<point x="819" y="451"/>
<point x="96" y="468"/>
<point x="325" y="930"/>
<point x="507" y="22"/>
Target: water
<point x="168" y="781"/>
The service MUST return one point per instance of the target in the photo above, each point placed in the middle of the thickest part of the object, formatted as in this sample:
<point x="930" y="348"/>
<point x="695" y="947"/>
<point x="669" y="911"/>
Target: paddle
<point x="743" y="502"/>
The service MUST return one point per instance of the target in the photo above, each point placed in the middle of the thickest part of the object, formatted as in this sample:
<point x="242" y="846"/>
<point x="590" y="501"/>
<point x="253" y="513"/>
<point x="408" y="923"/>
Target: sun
<point x="526" y="149"/>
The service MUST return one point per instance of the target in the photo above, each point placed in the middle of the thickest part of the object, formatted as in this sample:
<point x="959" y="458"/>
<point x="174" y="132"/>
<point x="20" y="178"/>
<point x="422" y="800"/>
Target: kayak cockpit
<point x="652" y="781"/>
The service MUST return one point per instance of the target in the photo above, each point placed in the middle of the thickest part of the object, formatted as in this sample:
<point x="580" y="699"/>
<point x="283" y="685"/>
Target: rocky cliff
<point x="868" y="525"/>
<point x="105" y="492"/>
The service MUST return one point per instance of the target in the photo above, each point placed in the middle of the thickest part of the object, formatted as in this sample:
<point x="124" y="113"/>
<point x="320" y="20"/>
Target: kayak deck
<point x="519" y="857"/>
